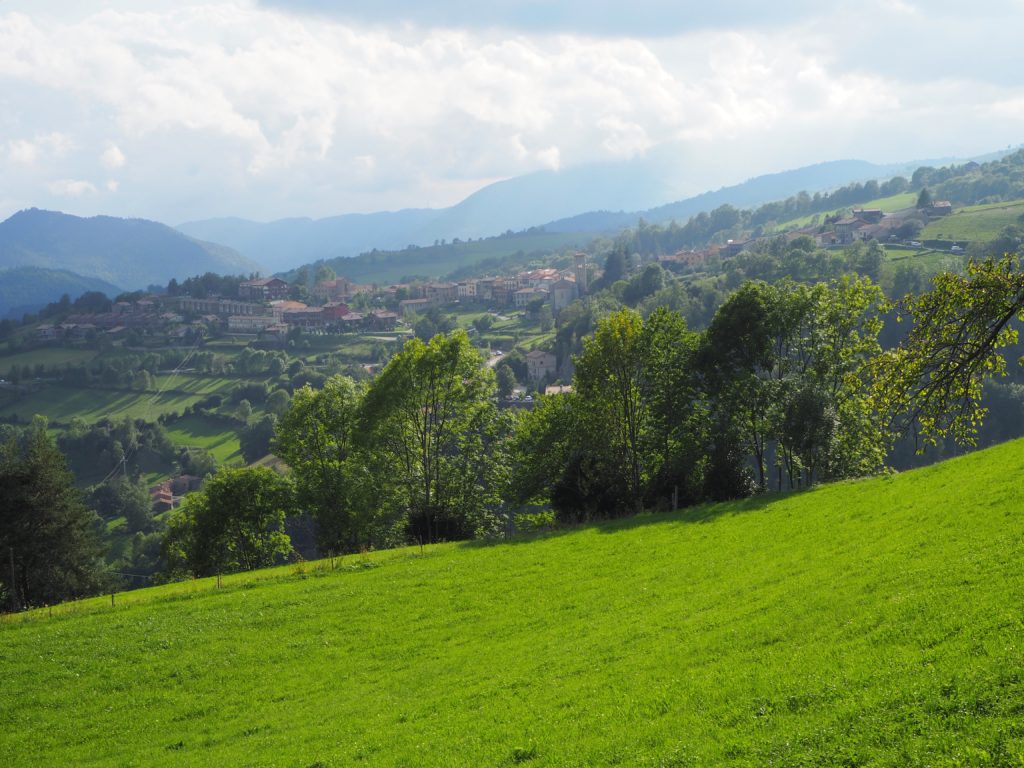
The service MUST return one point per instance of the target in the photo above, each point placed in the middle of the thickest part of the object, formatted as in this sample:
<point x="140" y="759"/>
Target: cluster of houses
<point x="863" y="224"/>
<point x="145" y="315"/>
<point x="556" y="287"/>
<point x="263" y="306"/>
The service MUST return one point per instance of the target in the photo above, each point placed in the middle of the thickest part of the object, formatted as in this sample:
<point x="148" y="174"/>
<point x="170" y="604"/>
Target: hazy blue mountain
<point x="131" y="253"/>
<point x="286" y="243"/>
<point x="28" y="289"/>
<point x="513" y="204"/>
<point x="593" y="198"/>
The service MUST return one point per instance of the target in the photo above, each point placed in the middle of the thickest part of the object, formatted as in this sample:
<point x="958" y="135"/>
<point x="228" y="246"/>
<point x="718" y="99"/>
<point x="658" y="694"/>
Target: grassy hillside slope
<point x="975" y="222"/>
<point x="871" y="623"/>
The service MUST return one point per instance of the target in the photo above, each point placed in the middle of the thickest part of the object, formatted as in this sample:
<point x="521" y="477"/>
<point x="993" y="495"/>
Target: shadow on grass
<point x="699" y="514"/>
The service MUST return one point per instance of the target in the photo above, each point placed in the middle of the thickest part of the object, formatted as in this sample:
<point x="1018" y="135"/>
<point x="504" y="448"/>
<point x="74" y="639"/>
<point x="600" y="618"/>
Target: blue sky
<point x="265" y="109"/>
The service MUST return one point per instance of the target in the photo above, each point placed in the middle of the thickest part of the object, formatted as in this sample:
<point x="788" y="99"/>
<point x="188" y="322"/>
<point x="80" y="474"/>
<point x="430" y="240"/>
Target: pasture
<point x="865" y="623"/>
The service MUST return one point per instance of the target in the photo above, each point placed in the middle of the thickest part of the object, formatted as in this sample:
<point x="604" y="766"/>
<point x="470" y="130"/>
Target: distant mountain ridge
<point x="28" y="289"/>
<point x="127" y="253"/>
<point x="588" y="199"/>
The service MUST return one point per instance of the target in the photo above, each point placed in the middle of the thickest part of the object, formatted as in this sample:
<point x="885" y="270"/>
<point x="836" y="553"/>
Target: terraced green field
<point x="871" y="623"/>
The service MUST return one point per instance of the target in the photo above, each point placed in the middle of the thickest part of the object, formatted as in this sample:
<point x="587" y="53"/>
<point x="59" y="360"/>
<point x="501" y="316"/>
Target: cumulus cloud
<point x="71" y="188"/>
<point x="247" y="108"/>
<point x="112" y="158"/>
<point x="47" y="147"/>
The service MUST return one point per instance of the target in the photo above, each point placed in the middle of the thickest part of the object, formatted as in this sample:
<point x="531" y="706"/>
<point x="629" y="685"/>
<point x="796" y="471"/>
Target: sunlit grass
<point x="867" y="623"/>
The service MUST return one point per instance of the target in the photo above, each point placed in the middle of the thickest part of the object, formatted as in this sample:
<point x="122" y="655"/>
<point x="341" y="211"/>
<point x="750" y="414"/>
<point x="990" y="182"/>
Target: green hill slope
<point x="871" y="623"/>
<point x="130" y="253"/>
<point x="976" y="222"/>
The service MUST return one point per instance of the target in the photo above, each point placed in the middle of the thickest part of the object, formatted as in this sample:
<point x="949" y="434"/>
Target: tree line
<point x="787" y="385"/>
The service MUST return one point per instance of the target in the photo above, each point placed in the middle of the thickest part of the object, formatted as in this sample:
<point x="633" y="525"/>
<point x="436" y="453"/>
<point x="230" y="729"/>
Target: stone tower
<point x="581" y="273"/>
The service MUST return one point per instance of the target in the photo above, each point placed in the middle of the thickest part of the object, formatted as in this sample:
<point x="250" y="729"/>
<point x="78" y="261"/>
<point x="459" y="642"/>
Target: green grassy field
<point x="870" y="623"/>
<point x="48" y="356"/>
<point x="60" y="403"/>
<point x="195" y="431"/>
<point x="197" y="383"/>
<point x="976" y="222"/>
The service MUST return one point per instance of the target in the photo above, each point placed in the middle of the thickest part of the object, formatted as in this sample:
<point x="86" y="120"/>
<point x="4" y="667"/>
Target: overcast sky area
<point x="266" y="109"/>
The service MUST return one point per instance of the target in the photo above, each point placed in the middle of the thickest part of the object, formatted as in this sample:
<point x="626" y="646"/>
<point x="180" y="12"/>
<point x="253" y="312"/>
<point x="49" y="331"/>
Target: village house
<point x="846" y="230"/>
<point x="47" y="333"/>
<point x="305" y="317"/>
<point x="440" y="293"/>
<point x="219" y="307"/>
<point x="249" y="323"/>
<point x="351" y="322"/>
<point x="278" y="308"/>
<point x="733" y="248"/>
<point x="869" y="215"/>
<point x="563" y="293"/>
<point x="539" y="364"/>
<point x="338" y="289"/>
<point x="416" y="305"/>
<point x="334" y="311"/>
<point x="525" y="296"/>
<point x="382" y="321"/>
<point x="263" y="289"/>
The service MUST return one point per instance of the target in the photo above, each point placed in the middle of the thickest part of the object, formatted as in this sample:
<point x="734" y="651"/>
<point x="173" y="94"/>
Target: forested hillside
<point x="25" y="290"/>
<point x="130" y="253"/>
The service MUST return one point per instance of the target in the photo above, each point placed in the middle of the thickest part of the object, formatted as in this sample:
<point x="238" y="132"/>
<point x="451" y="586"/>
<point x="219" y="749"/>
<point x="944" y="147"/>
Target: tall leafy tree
<point x="678" y="431"/>
<point x="48" y="538"/>
<point x="609" y="377"/>
<point x="738" y="361"/>
<point x="333" y="472"/>
<point x="430" y="410"/>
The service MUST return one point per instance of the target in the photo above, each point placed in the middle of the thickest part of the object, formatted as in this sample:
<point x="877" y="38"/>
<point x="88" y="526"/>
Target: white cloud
<point x="232" y="108"/>
<point x="71" y="188"/>
<point x="112" y="158"/>
<point x="112" y="185"/>
<point x="45" y="147"/>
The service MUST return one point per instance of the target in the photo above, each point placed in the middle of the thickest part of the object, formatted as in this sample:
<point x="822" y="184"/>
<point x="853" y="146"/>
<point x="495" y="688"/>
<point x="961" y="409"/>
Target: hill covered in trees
<point x="868" y="622"/>
<point x="129" y="253"/>
<point x="27" y="289"/>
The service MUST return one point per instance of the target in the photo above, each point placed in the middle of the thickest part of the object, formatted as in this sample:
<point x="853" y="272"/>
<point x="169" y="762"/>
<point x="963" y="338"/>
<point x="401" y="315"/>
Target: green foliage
<point x="429" y="413"/>
<point x="236" y="522"/>
<point x="791" y="365"/>
<point x="933" y="381"/>
<point x="47" y="535"/>
<point x="197" y="462"/>
<point x="339" y="482"/>
<point x="506" y="379"/>
<point x="255" y="438"/>
<point x="121" y="497"/>
<point x="857" y="624"/>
